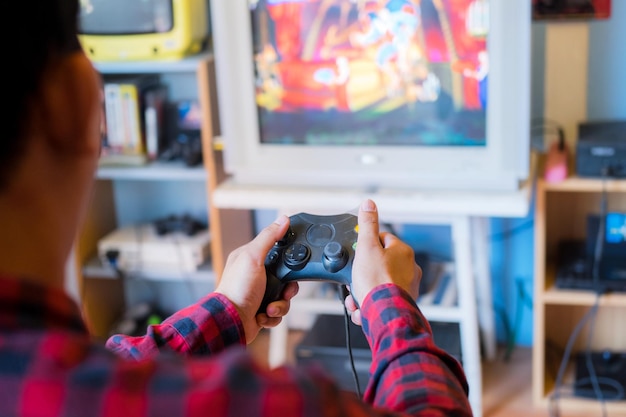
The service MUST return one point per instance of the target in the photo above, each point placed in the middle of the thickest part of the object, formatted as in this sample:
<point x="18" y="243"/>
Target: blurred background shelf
<point x="95" y="268"/>
<point x="156" y="171"/>
<point x="188" y="64"/>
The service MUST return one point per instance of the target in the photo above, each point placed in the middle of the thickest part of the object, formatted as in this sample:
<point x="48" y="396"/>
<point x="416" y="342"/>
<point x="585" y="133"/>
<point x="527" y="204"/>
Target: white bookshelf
<point x="186" y="65"/>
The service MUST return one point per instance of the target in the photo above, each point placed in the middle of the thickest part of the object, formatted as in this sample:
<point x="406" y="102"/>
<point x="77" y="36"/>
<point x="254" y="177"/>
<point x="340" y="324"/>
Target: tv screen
<point x="374" y="93"/>
<point x="125" y="17"/>
<point x="396" y="72"/>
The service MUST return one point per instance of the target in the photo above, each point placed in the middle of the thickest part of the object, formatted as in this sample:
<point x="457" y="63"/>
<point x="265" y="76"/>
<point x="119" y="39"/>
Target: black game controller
<point x="186" y="224"/>
<point x="315" y="248"/>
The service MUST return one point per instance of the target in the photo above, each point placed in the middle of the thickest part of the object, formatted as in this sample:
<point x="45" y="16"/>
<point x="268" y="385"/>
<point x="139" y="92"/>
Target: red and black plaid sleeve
<point x="206" y="327"/>
<point x="409" y="372"/>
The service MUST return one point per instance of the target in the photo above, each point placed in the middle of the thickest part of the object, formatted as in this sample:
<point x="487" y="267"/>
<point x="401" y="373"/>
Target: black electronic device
<point x="325" y="345"/>
<point x="185" y="223"/>
<point x="601" y="149"/>
<point x="576" y="257"/>
<point x="315" y="248"/>
<point x="610" y="375"/>
<point x="184" y="130"/>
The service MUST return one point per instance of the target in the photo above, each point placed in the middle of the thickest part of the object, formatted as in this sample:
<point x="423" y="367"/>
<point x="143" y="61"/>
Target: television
<point x="125" y="30"/>
<point x="359" y="94"/>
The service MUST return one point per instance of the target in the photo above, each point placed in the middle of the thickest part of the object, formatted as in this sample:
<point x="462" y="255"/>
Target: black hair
<point x="42" y="30"/>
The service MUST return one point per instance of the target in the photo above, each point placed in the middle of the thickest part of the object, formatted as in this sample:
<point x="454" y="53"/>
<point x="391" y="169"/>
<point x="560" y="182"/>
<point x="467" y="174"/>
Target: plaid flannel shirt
<point x="195" y="364"/>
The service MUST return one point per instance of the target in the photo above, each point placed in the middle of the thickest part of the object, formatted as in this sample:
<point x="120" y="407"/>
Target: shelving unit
<point x="561" y="212"/>
<point x="148" y="191"/>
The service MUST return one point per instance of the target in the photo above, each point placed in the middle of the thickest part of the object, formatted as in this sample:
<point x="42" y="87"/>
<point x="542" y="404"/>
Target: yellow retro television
<point x="125" y="30"/>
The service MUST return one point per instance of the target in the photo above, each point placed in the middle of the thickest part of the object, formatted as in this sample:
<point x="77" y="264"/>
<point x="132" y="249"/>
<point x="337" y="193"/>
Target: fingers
<point x="353" y="310"/>
<point x="280" y="307"/>
<point x="267" y="322"/>
<point x="387" y="239"/>
<point x="350" y="304"/>
<point x="275" y="311"/>
<point x="368" y="224"/>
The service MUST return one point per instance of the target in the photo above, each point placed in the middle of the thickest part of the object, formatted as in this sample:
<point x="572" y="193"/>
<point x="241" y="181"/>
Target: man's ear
<point x="68" y="105"/>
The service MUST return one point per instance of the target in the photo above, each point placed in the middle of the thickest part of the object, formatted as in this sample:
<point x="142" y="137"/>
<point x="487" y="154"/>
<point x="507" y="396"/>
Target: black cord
<point x="542" y="125"/>
<point x="590" y="315"/>
<point x="600" y="237"/>
<point x="597" y="258"/>
<point x="343" y="292"/>
<point x="505" y="234"/>
<point x="553" y="409"/>
<point x="609" y="382"/>
<point x="543" y="121"/>
<point x="591" y="368"/>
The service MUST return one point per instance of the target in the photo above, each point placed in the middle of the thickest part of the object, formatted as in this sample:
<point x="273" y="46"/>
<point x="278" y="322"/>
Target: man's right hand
<point x="380" y="258"/>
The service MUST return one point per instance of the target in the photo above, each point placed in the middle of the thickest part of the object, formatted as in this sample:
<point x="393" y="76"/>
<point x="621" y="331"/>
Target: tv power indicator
<point x="369" y="159"/>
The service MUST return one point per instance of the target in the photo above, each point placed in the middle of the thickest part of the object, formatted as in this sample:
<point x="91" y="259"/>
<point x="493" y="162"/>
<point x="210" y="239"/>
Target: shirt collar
<point x="25" y="304"/>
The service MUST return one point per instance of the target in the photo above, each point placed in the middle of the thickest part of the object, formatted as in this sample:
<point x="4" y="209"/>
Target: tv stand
<point x="481" y="203"/>
<point x="465" y="212"/>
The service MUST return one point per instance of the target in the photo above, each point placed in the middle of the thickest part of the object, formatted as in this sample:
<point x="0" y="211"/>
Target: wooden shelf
<point x="587" y="185"/>
<point x="579" y="405"/>
<point x="188" y="64"/>
<point x="568" y="403"/>
<point x="572" y="297"/>
<point x="102" y="295"/>
<point x="94" y="268"/>
<point x="156" y="171"/>
<point x="561" y="213"/>
<point x="582" y="298"/>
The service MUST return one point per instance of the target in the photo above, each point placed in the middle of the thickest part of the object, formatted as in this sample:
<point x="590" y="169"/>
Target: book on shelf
<point x="155" y="116"/>
<point x="125" y="125"/>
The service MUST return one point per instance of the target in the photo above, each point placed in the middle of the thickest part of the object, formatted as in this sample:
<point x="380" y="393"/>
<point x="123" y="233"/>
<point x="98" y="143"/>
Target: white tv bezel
<point x="500" y="165"/>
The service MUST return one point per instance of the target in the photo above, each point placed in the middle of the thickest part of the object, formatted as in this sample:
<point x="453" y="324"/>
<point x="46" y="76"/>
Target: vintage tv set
<point x="406" y="94"/>
<point x="119" y="30"/>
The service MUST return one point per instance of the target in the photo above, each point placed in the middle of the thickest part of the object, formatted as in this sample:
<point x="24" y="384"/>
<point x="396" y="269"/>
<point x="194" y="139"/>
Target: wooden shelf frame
<point x="560" y="213"/>
<point x="102" y="297"/>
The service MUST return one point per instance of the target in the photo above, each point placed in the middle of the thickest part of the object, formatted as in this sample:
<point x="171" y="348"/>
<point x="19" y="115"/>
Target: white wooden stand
<point x="467" y="215"/>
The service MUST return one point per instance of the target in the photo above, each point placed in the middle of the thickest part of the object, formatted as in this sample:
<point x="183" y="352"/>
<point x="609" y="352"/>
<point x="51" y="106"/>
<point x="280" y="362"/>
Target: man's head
<point x="50" y="138"/>
<point x="45" y="32"/>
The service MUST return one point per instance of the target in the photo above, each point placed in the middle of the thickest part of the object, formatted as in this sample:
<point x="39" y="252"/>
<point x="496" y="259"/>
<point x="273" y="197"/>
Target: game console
<point x="576" y="257"/>
<point x="609" y="368"/>
<point x="315" y="248"/>
<point x="601" y="149"/>
<point x="143" y="249"/>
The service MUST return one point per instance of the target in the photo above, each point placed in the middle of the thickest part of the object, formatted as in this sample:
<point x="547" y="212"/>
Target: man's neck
<point x="27" y="250"/>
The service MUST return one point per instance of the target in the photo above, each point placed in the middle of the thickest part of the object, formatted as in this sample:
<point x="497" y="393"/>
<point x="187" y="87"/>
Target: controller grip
<point x="273" y="291"/>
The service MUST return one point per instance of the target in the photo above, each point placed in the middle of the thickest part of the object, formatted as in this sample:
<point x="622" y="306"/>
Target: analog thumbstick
<point x="335" y="257"/>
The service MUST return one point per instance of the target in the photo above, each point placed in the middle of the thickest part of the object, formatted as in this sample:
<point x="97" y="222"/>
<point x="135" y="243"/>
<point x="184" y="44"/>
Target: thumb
<point x="264" y="241"/>
<point x="369" y="234"/>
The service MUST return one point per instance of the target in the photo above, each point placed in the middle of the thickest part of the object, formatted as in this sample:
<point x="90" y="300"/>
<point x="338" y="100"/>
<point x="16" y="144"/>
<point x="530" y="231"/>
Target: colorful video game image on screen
<point x="363" y="72"/>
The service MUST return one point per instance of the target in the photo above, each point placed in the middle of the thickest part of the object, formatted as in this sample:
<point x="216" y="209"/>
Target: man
<point x="49" y="367"/>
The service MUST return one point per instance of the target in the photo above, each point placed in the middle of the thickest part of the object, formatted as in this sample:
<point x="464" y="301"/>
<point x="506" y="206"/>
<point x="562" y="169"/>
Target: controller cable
<point x="343" y="293"/>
